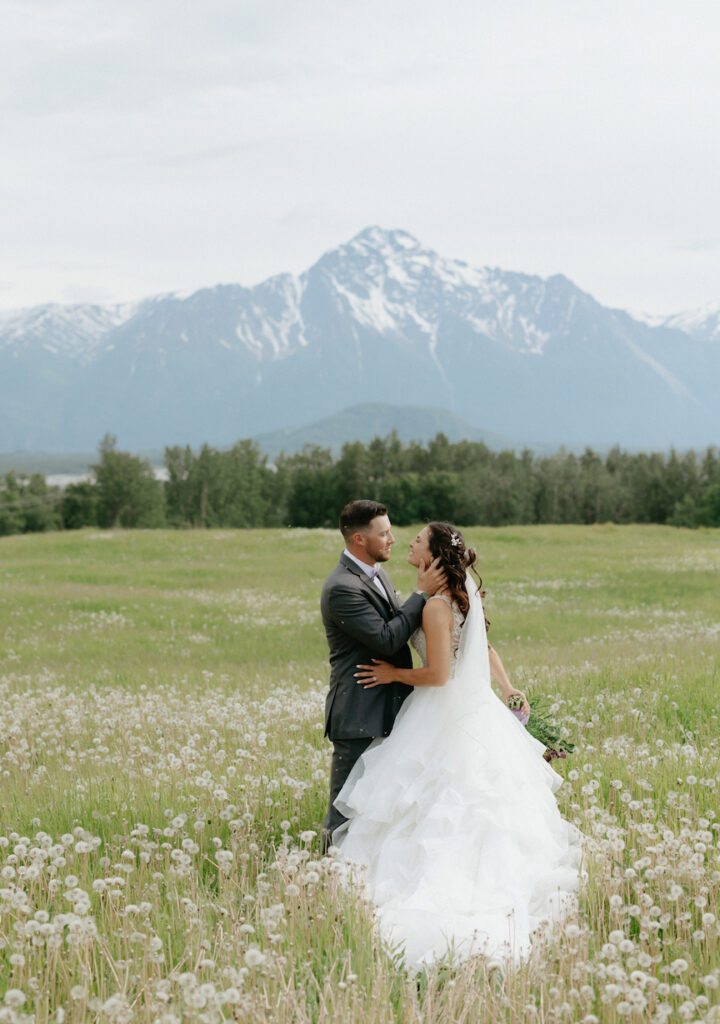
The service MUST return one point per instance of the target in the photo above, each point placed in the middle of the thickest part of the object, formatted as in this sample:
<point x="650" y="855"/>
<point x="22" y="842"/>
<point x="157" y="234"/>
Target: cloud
<point x="699" y="245"/>
<point x="174" y="142"/>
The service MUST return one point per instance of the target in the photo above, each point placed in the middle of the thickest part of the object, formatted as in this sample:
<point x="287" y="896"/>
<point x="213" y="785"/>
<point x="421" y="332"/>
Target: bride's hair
<point x="448" y="544"/>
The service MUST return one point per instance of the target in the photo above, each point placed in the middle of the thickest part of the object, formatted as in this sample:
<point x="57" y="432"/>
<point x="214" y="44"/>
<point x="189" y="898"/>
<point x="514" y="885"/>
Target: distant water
<point x="63" y="479"/>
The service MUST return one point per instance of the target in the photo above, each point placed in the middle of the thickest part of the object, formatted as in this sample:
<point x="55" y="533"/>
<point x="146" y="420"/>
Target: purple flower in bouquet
<point x="551" y="753"/>
<point x="541" y="725"/>
<point x="515" y="703"/>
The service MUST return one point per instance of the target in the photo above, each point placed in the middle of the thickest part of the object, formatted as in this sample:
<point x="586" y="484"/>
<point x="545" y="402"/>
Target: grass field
<point x="164" y="773"/>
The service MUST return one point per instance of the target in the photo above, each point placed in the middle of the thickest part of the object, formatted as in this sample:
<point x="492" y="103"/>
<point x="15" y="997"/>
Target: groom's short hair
<point x="358" y="514"/>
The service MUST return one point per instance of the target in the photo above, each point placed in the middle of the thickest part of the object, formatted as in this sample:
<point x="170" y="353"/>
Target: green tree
<point x="180" y="486"/>
<point x="402" y="495"/>
<point x="12" y="519"/>
<point x="710" y="510"/>
<point x="79" y="505"/>
<point x="245" y="480"/>
<point x="27" y="504"/>
<point x="128" y="493"/>
<point x="313" y="497"/>
<point x="685" y="513"/>
<point x="40" y="505"/>
<point x="354" y="473"/>
<point x="710" y="467"/>
<point x="558" y="490"/>
<point x="438" y="495"/>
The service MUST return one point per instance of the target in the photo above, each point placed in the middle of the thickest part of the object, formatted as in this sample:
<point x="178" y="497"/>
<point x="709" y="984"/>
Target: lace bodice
<point x="418" y="637"/>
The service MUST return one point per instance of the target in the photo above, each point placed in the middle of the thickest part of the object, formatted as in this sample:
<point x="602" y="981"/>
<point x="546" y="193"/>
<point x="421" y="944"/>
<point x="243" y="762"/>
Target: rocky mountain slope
<point x="379" y="319"/>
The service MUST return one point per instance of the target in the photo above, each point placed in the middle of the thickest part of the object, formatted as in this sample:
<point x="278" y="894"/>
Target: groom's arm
<point x="355" y="615"/>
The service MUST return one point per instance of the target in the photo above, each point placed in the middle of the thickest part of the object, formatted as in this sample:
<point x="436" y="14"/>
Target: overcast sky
<point x="155" y="145"/>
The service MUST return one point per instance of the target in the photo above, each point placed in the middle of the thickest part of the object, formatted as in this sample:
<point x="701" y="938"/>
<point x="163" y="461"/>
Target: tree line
<point x="464" y="482"/>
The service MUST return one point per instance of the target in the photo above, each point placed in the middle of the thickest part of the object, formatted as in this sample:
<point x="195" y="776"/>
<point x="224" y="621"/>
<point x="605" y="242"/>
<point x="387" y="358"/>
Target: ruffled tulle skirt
<point x="455" y="831"/>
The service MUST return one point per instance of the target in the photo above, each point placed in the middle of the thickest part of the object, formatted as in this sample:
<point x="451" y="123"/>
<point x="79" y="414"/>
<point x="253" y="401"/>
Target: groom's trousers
<point x="345" y="754"/>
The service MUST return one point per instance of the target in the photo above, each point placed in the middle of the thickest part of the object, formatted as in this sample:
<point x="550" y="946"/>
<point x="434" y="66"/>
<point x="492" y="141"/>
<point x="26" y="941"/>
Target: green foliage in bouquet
<point x="542" y="726"/>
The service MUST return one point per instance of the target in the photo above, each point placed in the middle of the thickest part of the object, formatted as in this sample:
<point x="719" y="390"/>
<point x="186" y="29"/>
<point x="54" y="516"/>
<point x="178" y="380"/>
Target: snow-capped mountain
<point x="703" y="323"/>
<point x="379" y="319"/>
<point x="74" y="331"/>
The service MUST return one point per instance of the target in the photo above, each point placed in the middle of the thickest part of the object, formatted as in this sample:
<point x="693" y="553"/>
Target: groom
<point x="363" y="620"/>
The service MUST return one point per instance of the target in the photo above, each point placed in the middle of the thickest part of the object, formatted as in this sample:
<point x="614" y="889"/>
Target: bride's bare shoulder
<point x="437" y="610"/>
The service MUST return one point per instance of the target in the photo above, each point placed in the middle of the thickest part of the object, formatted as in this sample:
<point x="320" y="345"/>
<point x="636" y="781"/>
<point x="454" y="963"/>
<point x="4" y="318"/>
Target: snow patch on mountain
<point x="703" y="322"/>
<point x="271" y="325"/>
<point x="371" y="309"/>
<point x="227" y="361"/>
<point x="535" y="339"/>
<point x="700" y="323"/>
<point x="72" y="331"/>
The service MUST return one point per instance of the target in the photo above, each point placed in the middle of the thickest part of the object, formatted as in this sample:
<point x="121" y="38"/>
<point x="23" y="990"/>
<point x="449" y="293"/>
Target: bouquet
<point x="540" y="725"/>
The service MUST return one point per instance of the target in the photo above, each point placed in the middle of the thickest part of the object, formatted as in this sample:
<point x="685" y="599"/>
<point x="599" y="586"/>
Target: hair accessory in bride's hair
<point x="454" y="539"/>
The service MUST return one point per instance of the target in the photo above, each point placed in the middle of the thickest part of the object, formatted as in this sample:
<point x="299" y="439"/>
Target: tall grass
<point x="164" y="776"/>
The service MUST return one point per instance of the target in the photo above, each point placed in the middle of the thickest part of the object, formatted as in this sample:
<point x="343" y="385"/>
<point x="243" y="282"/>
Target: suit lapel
<point x="367" y="582"/>
<point x="389" y="588"/>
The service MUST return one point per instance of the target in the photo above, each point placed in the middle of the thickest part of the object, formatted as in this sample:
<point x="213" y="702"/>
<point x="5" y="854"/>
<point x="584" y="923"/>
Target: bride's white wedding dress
<point x="453" y="817"/>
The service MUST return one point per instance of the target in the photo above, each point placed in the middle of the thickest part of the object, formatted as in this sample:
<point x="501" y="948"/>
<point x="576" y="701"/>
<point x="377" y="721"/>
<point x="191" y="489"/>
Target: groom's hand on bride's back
<point x="432" y="579"/>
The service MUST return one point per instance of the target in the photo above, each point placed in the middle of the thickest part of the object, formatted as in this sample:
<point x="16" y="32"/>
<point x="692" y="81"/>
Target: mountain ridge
<point x="379" y="317"/>
<point x="365" y="421"/>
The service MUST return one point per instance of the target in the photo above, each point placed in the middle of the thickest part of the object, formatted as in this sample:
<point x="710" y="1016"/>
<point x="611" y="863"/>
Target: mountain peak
<point x="380" y="238"/>
<point x="379" y="316"/>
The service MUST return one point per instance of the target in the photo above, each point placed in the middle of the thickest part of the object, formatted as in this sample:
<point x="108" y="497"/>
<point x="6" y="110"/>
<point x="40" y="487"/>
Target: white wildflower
<point x="254" y="958"/>
<point x="14" y="998"/>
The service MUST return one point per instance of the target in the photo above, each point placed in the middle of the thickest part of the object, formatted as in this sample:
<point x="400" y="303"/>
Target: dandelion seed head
<point x="254" y="958"/>
<point x="14" y="998"/>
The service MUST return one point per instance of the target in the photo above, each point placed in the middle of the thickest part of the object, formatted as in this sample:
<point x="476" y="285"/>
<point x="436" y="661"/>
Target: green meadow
<point x="164" y="776"/>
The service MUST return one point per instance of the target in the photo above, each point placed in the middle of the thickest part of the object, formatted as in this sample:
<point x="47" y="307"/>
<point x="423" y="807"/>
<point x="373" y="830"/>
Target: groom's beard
<point x="381" y="555"/>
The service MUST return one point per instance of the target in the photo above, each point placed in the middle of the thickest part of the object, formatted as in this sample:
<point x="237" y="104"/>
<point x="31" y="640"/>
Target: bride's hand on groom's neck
<point x="431" y="579"/>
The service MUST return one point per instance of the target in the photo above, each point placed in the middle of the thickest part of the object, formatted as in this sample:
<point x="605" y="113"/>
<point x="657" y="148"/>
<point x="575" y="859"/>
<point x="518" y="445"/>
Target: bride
<point x="452" y="818"/>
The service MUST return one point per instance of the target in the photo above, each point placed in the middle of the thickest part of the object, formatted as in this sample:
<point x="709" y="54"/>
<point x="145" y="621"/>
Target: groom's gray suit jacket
<point x="360" y="625"/>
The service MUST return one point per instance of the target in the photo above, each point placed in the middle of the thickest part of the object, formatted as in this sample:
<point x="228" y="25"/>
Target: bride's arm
<point x="498" y="673"/>
<point x="437" y="624"/>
